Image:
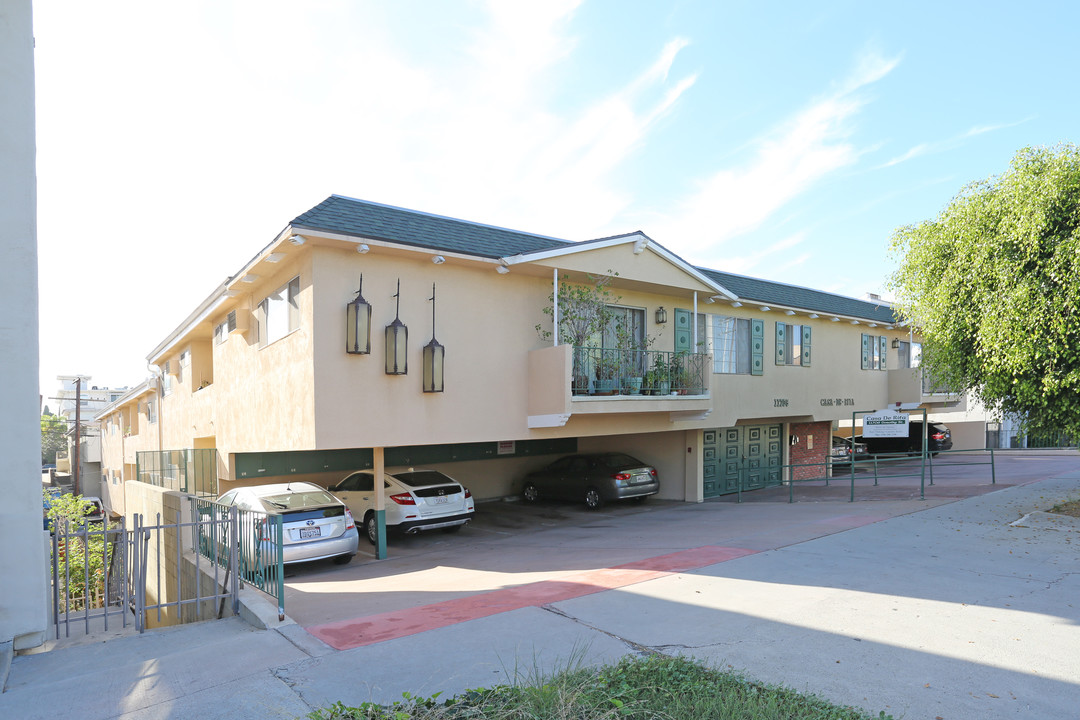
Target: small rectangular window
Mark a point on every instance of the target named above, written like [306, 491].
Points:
[280, 312]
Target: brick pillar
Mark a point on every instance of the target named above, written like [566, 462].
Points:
[812, 443]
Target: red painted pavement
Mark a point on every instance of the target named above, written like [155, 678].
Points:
[346, 634]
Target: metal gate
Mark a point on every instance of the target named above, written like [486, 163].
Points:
[744, 457]
[108, 572]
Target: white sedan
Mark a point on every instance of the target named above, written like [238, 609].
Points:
[416, 500]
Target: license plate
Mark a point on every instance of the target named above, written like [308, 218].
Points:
[639, 479]
[442, 500]
[312, 532]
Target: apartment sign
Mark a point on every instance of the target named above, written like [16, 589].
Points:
[885, 424]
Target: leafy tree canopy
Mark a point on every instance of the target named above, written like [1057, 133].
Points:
[53, 436]
[993, 285]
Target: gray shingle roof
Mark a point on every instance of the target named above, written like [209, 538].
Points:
[766, 292]
[408, 227]
[371, 220]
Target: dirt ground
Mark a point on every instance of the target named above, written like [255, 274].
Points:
[1069, 508]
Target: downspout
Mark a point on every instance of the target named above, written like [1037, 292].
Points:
[555, 295]
[695, 322]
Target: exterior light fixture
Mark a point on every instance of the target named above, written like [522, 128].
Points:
[661, 315]
[434, 354]
[736, 304]
[397, 341]
[358, 324]
[362, 248]
[896, 343]
[438, 259]
[789, 312]
[297, 239]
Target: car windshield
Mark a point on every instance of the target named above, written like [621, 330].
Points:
[618, 460]
[292, 501]
[420, 478]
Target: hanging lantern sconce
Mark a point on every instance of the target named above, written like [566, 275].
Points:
[661, 315]
[434, 353]
[358, 324]
[397, 341]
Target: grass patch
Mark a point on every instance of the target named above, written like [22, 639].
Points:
[639, 688]
[1071, 507]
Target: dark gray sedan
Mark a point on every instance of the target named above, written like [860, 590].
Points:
[593, 479]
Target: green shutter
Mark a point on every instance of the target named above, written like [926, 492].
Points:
[884, 343]
[684, 331]
[806, 345]
[865, 352]
[757, 347]
[781, 342]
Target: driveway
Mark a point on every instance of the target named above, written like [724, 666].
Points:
[515, 544]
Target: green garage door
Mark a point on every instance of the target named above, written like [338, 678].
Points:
[749, 456]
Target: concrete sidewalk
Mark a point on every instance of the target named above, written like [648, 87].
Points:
[952, 611]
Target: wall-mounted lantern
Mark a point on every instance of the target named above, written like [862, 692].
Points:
[397, 341]
[661, 315]
[358, 324]
[434, 353]
[895, 343]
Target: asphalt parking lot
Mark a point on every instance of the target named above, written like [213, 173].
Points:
[515, 544]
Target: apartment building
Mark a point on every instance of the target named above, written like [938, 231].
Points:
[367, 335]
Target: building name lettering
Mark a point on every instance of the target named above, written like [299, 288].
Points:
[833, 402]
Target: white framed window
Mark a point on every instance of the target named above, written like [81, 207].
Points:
[909, 354]
[731, 345]
[793, 344]
[874, 349]
[151, 412]
[279, 313]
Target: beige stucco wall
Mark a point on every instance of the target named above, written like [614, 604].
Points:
[23, 590]
[304, 392]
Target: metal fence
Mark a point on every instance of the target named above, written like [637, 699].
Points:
[89, 575]
[613, 371]
[876, 463]
[259, 539]
[109, 572]
[192, 471]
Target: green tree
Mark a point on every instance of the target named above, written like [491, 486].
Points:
[53, 436]
[993, 285]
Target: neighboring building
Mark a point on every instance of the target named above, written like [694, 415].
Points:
[23, 590]
[257, 384]
[77, 392]
[90, 398]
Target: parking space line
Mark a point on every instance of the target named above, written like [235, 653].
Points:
[358, 632]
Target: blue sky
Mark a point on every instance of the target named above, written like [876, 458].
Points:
[782, 140]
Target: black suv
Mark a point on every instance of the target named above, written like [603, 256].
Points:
[938, 438]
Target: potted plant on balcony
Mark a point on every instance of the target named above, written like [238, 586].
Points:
[662, 375]
[583, 314]
[607, 373]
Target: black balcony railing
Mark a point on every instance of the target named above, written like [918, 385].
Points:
[612, 371]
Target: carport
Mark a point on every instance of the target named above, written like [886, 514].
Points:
[324, 467]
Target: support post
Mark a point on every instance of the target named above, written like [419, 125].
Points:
[378, 470]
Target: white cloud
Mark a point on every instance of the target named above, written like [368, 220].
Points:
[787, 162]
[949, 143]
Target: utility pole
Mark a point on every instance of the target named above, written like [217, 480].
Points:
[76, 484]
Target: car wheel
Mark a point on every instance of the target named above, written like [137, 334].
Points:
[370, 530]
[343, 559]
[530, 492]
[452, 529]
[593, 501]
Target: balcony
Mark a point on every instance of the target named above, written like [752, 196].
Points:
[913, 385]
[566, 380]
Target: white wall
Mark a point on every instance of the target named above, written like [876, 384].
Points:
[23, 597]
